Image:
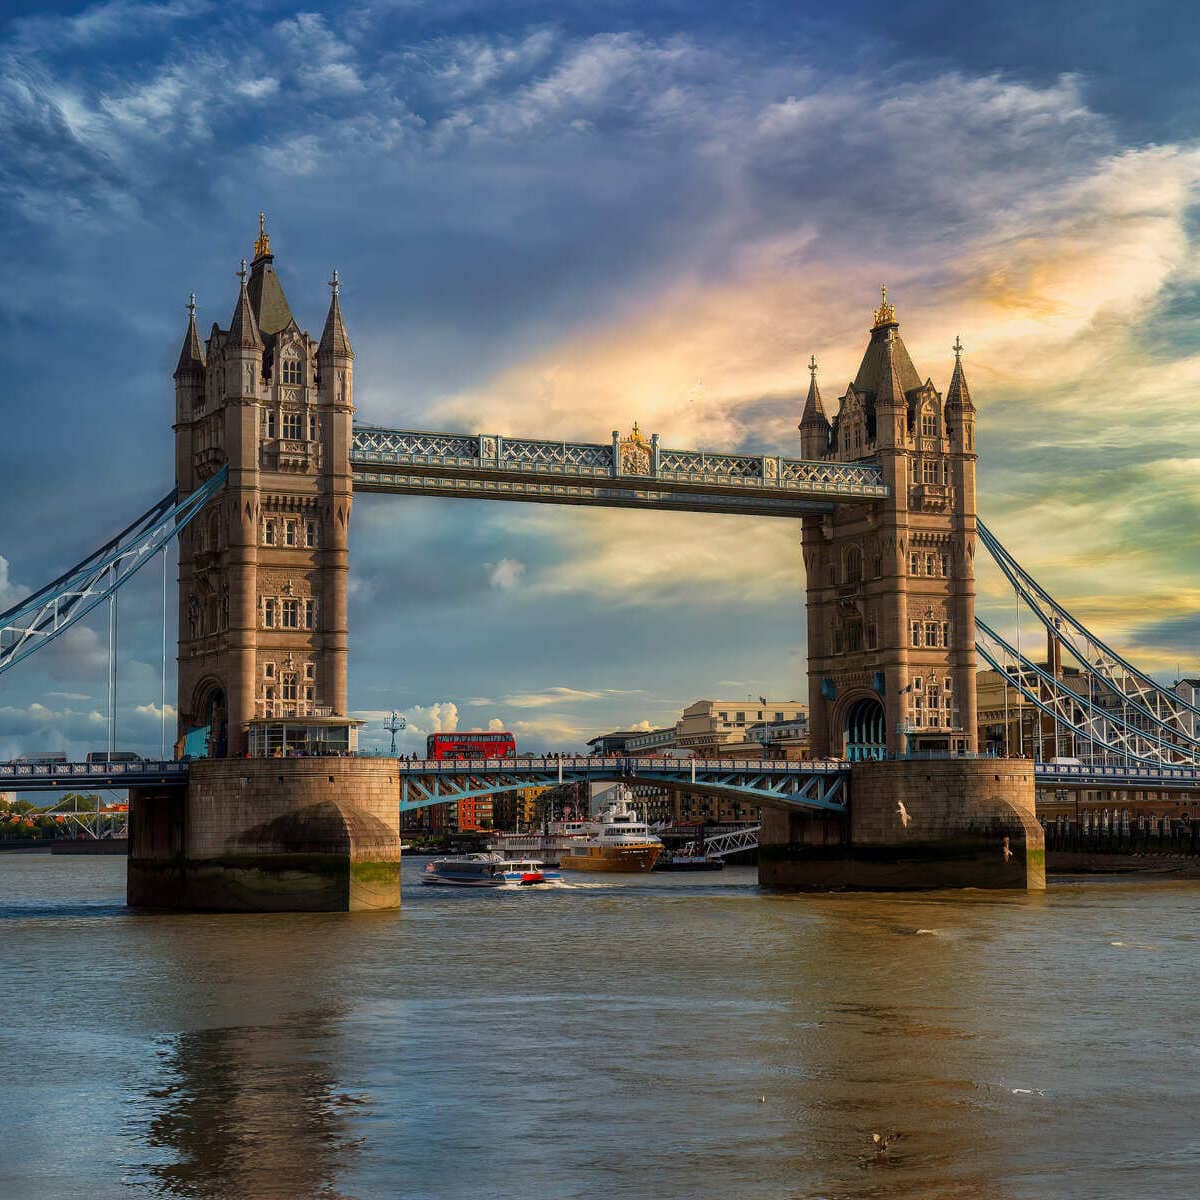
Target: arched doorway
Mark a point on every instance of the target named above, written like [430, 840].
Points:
[866, 734]
[208, 737]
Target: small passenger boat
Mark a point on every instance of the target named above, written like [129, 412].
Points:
[488, 870]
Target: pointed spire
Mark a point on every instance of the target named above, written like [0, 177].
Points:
[191, 356]
[814, 410]
[243, 328]
[333, 338]
[263, 245]
[958, 395]
[891, 390]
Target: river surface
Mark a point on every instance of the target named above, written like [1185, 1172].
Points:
[660, 1036]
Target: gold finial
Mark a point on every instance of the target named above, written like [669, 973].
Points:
[636, 435]
[885, 314]
[263, 244]
[957, 348]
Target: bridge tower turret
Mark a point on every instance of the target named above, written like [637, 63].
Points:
[891, 617]
[262, 628]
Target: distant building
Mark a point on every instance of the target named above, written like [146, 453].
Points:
[7, 799]
[712, 729]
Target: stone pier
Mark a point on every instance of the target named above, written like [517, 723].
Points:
[269, 835]
[914, 825]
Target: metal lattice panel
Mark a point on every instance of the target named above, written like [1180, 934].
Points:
[695, 462]
[556, 455]
[405, 445]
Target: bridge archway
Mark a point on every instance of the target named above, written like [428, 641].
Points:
[865, 730]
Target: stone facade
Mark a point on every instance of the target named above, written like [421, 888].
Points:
[263, 572]
[914, 824]
[269, 835]
[891, 590]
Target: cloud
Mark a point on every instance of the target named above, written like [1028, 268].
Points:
[506, 574]
[10, 593]
[116, 19]
[549, 696]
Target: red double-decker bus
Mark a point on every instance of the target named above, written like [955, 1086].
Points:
[474, 813]
[470, 745]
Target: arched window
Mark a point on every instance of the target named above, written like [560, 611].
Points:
[853, 565]
[929, 421]
[293, 371]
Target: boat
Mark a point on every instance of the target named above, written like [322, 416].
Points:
[617, 839]
[689, 862]
[487, 870]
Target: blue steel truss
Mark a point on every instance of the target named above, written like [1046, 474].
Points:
[773, 784]
[38, 620]
[627, 473]
[1098, 734]
[1133, 691]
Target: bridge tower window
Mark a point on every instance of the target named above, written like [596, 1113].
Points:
[293, 426]
[289, 533]
[914, 564]
[853, 565]
[268, 533]
[291, 615]
[310, 533]
[269, 613]
[293, 372]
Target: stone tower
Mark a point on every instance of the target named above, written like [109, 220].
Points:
[891, 590]
[263, 571]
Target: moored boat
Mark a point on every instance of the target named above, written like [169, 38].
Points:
[617, 840]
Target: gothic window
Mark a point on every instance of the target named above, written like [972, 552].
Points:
[269, 613]
[269, 670]
[949, 684]
[854, 637]
[853, 565]
[289, 687]
[916, 633]
[289, 533]
[310, 533]
[929, 565]
[839, 641]
[846, 440]
[269, 423]
[945, 633]
[293, 426]
[308, 694]
[929, 471]
[928, 422]
[914, 564]
[945, 564]
[268, 533]
[293, 373]
[291, 615]
[312, 427]
[310, 671]
[931, 633]
[872, 636]
[310, 614]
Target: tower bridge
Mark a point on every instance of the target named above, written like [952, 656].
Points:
[268, 457]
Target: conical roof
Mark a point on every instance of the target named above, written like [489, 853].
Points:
[191, 356]
[958, 395]
[889, 386]
[243, 327]
[814, 410]
[334, 340]
[886, 341]
[271, 309]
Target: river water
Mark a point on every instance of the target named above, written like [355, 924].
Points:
[662, 1036]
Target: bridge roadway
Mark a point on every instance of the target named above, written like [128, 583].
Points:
[809, 785]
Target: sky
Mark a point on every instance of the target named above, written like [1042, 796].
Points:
[557, 219]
